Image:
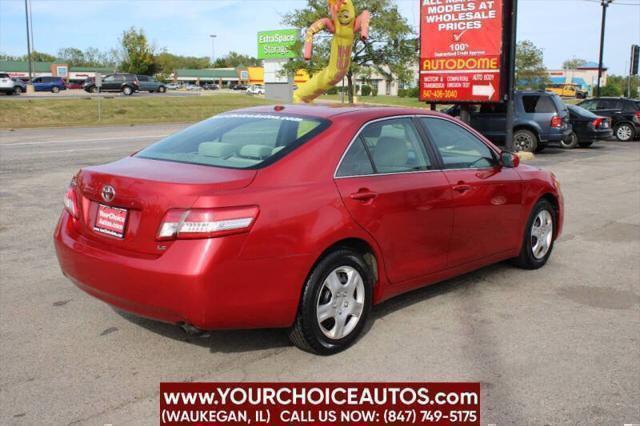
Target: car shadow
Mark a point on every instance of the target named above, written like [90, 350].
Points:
[239, 341]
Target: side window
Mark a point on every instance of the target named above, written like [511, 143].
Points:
[356, 161]
[395, 146]
[589, 105]
[609, 104]
[458, 148]
[538, 104]
[109, 78]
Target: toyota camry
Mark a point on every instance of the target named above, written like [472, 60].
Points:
[301, 217]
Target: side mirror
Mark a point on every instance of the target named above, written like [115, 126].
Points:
[509, 160]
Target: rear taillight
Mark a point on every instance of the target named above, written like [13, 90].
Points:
[71, 201]
[206, 223]
[556, 122]
[637, 115]
[597, 122]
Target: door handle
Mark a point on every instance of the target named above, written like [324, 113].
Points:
[363, 195]
[461, 188]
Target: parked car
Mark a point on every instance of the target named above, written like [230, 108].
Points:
[239, 87]
[210, 86]
[540, 118]
[255, 89]
[173, 86]
[119, 82]
[150, 84]
[587, 128]
[205, 229]
[71, 84]
[624, 114]
[567, 91]
[192, 87]
[48, 84]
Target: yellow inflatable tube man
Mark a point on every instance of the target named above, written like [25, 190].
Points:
[343, 25]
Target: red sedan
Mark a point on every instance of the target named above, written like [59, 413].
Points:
[301, 217]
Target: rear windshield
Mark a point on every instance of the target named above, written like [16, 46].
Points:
[239, 141]
[575, 109]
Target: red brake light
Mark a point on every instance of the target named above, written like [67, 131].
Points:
[597, 122]
[637, 115]
[206, 223]
[71, 201]
[556, 121]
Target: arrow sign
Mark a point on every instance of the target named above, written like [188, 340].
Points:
[484, 90]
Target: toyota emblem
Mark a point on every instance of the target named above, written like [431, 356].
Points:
[108, 193]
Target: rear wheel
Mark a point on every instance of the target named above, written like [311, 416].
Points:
[571, 141]
[525, 140]
[17, 90]
[162, 89]
[55, 89]
[539, 237]
[624, 132]
[335, 304]
[94, 89]
[126, 90]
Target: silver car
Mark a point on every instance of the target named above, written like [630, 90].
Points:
[11, 86]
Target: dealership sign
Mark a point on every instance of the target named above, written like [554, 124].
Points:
[463, 44]
[278, 44]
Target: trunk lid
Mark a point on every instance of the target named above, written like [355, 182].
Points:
[147, 189]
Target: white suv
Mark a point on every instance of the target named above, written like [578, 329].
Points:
[8, 86]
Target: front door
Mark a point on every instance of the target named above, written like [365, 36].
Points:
[391, 188]
[487, 198]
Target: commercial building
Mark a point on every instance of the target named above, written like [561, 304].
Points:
[585, 76]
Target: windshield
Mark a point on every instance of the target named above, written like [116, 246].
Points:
[239, 141]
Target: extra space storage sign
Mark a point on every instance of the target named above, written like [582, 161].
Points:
[461, 45]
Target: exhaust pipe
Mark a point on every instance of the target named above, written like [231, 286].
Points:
[193, 331]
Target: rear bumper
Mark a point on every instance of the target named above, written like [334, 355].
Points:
[558, 135]
[199, 282]
[595, 135]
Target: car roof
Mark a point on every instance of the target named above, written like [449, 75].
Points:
[329, 111]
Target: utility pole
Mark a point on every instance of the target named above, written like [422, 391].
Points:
[511, 84]
[26, 14]
[213, 48]
[605, 4]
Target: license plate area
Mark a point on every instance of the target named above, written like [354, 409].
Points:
[111, 221]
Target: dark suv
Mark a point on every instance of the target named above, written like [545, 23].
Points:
[540, 118]
[624, 113]
[119, 82]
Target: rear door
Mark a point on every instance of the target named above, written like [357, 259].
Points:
[609, 107]
[391, 187]
[486, 197]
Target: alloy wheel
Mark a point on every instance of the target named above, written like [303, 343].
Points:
[541, 234]
[624, 132]
[523, 142]
[340, 302]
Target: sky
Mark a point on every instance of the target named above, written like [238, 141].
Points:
[562, 28]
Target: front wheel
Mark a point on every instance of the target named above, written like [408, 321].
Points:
[127, 90]
[624, 132]
[162, 89]
[525, 140]
[571, 141]
[335, 304]
[55, 89]
[539, 237]
[17, 90]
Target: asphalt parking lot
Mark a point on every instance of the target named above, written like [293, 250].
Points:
[560, 345]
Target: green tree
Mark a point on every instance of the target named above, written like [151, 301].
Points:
[39, 57]
[137, 55]
[530, 70]
[72, 56]
[618, 85]
[234, 59]
[573, 63]
[390, 49]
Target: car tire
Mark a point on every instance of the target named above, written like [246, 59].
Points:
[335, 304]
[624, 132]
[55, 89]
[571, 141]
[17, 90]
[539, 236]
[127, 91]
[162, 89]
[94, 89]
[585, 144]
[525, 140]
